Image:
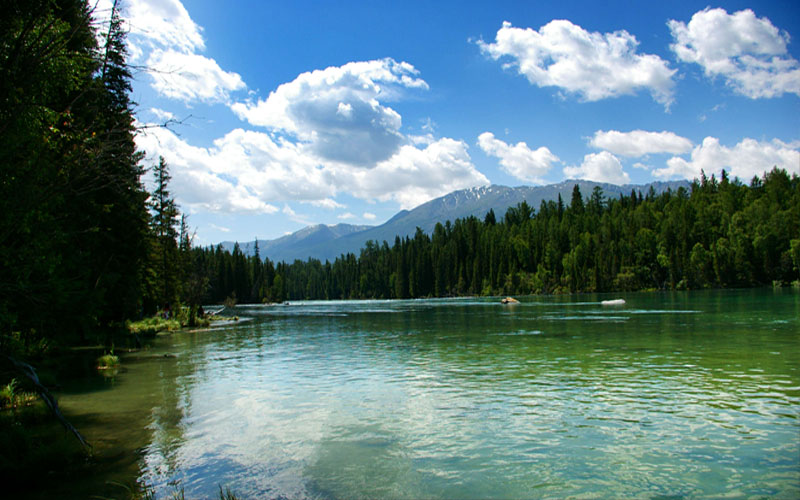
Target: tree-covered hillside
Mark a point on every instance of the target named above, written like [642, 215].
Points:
[718, 233]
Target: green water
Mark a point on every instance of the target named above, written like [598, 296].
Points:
[690, 395]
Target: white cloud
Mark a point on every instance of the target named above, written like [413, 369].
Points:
[329, 131]
[413, 176]
[749, 52]
[337, 111]
[746, 159]
[191, 77]
[198, 180]
[163, 22]
[163, 33]
[327, 203]
[294, 216]
[599, 167]
[220, 228]
[592, 65]
[345, 110]
[640, 143]
[162, 114]
[429, 125]
[421, 140]
[248, 171]
[519, 160]
[369, 216]
[346, 216]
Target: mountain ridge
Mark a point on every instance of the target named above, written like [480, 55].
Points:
[329, 242]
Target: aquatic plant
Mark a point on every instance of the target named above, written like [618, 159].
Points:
[107, 361]
[7, 393]
[136, 491]
[227, 494]
[11, 397]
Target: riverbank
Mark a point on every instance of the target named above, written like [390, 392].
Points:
[34, 445]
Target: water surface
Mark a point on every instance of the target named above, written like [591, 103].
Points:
[692, 394]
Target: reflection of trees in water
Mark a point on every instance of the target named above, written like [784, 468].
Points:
[171, 405]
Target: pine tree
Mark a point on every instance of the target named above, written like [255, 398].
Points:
[164, 290]
[70, 183]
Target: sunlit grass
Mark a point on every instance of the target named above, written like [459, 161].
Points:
[107, 361]
[12, 397]
[157, 324]
[152, 326]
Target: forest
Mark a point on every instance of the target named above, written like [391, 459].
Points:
[717, 233]
[83, 245]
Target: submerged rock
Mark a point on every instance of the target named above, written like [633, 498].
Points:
[509, 300]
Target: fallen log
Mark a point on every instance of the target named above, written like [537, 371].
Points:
[48, 398]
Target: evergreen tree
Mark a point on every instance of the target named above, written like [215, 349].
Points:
[164, 287]
[72, 214]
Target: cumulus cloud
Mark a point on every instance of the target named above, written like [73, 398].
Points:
[337, 110]
[346, 216]
[369, 216]
[745, 160]
[413, 176]
[163, 33]
[328, 131]
[599, 167]
[191, 77]
[201, 180]
[163, 22]
[249, 171]
[638, 143]
[592, 65]
[748, 52]
[519, 160]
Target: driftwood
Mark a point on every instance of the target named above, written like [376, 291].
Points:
[48, 398]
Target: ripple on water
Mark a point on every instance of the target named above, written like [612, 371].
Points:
[460, 399]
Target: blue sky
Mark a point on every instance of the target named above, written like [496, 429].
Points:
[295, 113]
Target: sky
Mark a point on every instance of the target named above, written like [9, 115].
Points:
[277, 115]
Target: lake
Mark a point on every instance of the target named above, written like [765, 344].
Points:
[685, 394]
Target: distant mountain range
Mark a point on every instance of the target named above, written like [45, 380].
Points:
[329, 242]
[298, 245]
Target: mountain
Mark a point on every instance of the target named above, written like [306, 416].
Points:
[299, 243]
[329, 242]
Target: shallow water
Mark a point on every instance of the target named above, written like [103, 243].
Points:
[692, 394]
